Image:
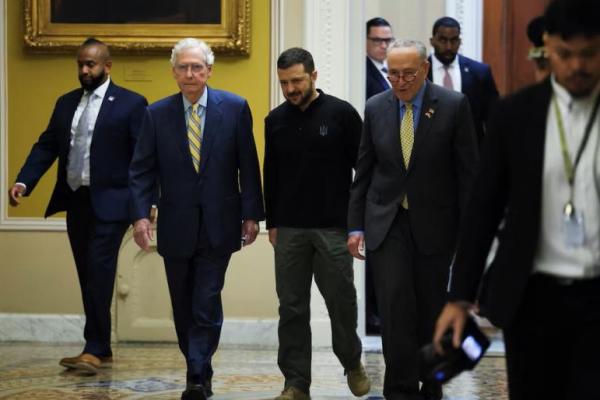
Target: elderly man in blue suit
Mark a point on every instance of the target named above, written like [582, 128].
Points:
[93, 131]
[198, 146]
[461, 74]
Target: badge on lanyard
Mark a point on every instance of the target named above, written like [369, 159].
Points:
[572, 228]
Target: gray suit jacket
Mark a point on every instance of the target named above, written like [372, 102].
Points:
[438, 180]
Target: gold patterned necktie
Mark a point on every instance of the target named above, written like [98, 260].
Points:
[194, 137]
[407, 139]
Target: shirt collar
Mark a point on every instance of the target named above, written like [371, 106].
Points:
[437, 64]
[378, 64]
[567, 101]
[100, 91]
[417, 101]
[202, 101]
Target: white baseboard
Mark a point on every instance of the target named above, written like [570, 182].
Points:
[69, 328]
[41, 327]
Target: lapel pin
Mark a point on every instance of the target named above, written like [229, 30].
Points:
[111, 98]
[429, 113]
[466, 69]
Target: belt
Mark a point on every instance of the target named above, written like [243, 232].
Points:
[565, 281]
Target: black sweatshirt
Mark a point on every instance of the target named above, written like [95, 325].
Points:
[309, 156]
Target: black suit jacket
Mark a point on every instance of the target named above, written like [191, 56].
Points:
[376, 83]
[437, 182]
[480, 88]
[508, 186]
[227, 188]
[113, 142]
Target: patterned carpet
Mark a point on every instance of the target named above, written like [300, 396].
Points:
[157, 371]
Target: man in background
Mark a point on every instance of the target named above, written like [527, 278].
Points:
[93, 132]
[198, 146]
[379, 37]
[311, 142]
[461, 74]
[541, 174]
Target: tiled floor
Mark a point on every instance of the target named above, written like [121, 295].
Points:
[157, 371]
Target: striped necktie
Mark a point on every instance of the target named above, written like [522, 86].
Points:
[407, 139]
[194, 138]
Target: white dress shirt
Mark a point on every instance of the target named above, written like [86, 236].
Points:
[97, 96]
[553, 256]
[437, 72]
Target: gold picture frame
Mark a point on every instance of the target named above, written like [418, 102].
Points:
[230, 35]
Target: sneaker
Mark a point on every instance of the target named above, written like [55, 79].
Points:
[358, 381]
[292, 393]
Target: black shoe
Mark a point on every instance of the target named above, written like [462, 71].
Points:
[431, 391]
[194, 391]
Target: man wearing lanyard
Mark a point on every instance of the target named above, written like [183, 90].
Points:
[540, 172]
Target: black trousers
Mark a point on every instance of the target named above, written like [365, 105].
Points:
[553, 346]
[95, 245]
[195, 286]
[411, 291]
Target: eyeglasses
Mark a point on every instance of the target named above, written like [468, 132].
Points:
[408, 75]
[379, 41]
[183, 68]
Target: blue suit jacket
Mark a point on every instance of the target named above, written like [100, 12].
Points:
[113, 142]
[480, 88]
[375, 82]
[227, 188]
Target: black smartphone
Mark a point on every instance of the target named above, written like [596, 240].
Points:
[441, 368]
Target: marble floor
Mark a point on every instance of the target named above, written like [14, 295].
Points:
[157, 371]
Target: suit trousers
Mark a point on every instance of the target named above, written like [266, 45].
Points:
[195, 286]
[411, 291]
[95, 245]
[552, 347]
[301, 254]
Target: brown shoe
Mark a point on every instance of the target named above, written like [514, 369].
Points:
[358, 381]
[292, 393]
[86, 362]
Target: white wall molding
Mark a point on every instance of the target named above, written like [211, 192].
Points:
[6, 222]
[469, 13]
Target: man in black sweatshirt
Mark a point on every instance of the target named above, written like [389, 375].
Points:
[311, 143]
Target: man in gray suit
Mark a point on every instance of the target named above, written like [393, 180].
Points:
[416, 164]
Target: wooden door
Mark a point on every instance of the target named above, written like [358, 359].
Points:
[505, 42]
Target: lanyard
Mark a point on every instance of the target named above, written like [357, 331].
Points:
[570, 167]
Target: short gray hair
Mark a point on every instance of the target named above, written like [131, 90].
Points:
[408, 43]
[191, 43]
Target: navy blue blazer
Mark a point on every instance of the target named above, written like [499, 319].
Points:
[113, 142]
[375, 82]
[226, 190]
[480, 88]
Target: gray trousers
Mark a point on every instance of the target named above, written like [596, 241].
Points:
[301, 254]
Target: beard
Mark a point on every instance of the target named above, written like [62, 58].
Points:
[304, 97]
[91, 82]
[445, 58]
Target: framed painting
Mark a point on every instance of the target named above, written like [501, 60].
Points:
[137, 26]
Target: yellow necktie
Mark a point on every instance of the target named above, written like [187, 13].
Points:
[407, 139]
[194, 138]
